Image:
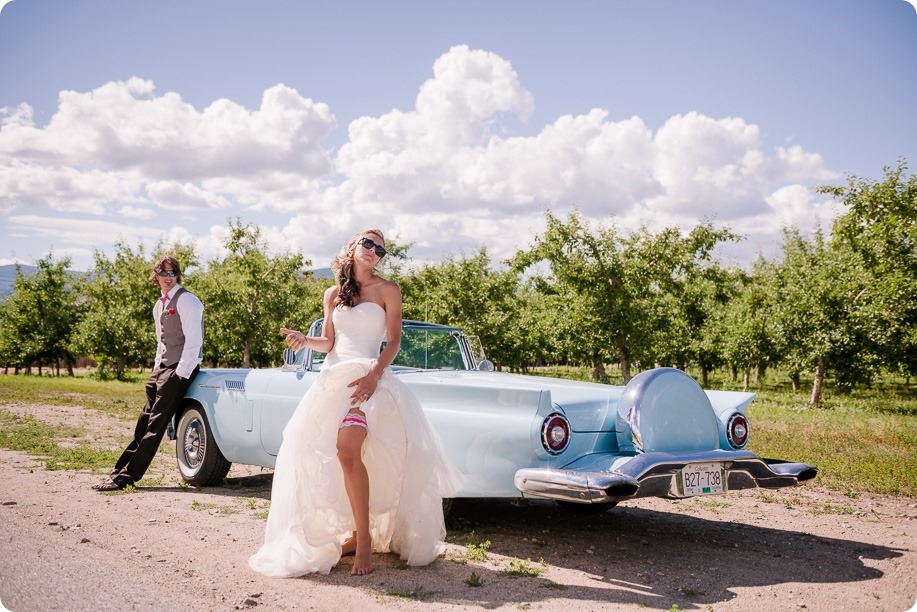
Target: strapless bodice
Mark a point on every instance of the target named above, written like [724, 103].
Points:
[358, 332]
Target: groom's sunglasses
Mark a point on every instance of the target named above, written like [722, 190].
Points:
[380, 251]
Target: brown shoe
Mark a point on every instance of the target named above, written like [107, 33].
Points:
[106, 485]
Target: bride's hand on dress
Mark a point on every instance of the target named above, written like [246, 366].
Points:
[294, 339]
[365, 387]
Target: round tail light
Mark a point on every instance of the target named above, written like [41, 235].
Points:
[737, 430]
[555, 433]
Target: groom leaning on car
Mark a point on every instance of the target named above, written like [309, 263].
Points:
[179, 319]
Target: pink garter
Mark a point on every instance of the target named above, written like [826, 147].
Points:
[353, 419]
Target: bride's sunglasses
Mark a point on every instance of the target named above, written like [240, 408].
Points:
[380, 251]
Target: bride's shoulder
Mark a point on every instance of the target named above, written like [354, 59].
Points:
[331, 294]
[389, 288]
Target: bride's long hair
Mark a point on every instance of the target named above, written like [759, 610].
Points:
[342, 267]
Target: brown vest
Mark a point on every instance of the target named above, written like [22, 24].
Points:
[173, 338]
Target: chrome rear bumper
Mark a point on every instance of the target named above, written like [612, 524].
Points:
[654, 475]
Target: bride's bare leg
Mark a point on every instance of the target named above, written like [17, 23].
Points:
[356, 482]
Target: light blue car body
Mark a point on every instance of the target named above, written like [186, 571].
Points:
[511, 435]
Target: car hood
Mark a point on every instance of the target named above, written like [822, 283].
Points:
[589, 406]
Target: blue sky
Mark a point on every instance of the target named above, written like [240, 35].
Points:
[452, 125]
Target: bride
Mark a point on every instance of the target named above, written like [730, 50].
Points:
[360, 470]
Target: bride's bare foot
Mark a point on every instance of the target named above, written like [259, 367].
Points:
[363, 559]
[349, 547]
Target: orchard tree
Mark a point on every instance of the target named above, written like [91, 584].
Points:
[249, 295]
[596, 297]
[472, 294]
[682, 286]
[747, 325]
[818, 291]
[39, 318]
[879, 231]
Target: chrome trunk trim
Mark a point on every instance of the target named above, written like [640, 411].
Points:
[653, 475]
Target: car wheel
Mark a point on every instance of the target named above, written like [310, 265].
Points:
[199, 459]
[576, 508]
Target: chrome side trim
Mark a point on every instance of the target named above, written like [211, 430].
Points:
[653, 475]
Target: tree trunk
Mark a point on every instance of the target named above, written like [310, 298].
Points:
[704, 371]
[815, 400]
[794, 380]
[623, 359]
[733, 372]
[598, 371]
[625, 368]
[246, 355]
[745, 376]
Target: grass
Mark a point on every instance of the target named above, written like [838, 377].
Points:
[865, 441]
[418, 593]
[113, 397]
[862, 442]
[52, 443]
[521, 568]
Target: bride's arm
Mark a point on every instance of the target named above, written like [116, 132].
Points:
[324, 343]
[391, 295]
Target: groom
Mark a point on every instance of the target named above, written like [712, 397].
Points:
[179, 319]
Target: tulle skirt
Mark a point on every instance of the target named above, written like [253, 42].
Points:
[409, 475]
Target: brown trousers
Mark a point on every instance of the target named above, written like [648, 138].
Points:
[164, 393]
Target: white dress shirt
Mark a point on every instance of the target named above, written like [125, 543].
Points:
[191, 311]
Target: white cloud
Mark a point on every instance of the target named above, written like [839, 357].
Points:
[120, 144]
[444, 175]
[134, 212]
[441, 176]
[82, 232]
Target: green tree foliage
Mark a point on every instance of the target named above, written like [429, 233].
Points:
[817, 292]
[468, 292]
[681, 287]
[588, 274]
[117, 327]
[249, 295]
[747, 326]
[879, 233]
[38, 320]
[643, 297]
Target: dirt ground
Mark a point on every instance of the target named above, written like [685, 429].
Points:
[170, 547]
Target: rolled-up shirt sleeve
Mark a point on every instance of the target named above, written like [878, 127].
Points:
[191, 311]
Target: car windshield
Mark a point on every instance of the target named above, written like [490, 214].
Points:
[422, 347]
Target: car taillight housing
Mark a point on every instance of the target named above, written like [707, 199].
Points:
[555, 433]
[737, 430]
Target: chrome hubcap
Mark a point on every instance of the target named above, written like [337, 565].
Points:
[194, 443]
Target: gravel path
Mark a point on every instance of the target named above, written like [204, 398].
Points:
[168, 547]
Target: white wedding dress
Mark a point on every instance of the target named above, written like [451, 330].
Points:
[409, 472]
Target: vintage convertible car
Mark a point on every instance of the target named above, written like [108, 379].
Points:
[511, 435]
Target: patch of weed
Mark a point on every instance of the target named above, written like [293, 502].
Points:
[521, 568]
[418, 593]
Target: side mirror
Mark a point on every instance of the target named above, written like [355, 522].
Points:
[289, 356]
[486, 365]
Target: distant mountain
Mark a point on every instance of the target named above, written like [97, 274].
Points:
[320, 272]
[8, 275]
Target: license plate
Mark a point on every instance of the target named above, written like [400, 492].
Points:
[700, 479]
